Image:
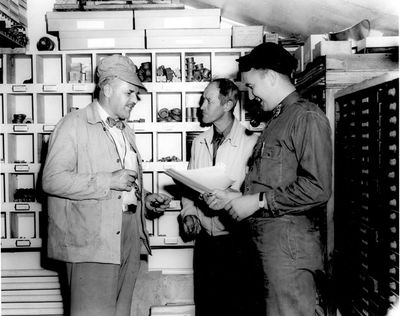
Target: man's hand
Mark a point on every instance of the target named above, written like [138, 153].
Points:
[242, 207]
[123, 179]
[157, 203]
[191, 226]
[218, 199]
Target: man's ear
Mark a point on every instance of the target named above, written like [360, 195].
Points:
[107, 90]
[228, 106]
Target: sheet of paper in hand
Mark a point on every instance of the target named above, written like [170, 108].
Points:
[203, 180]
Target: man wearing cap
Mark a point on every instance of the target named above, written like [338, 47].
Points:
[96, 203]
[288, 183]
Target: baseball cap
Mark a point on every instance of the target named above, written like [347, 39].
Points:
[268, 56]
[120, 67]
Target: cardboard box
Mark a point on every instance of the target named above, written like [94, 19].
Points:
[177, 19]
[309, 46]
[101, 39]
[191, 38]
[377, 44]
[89, 20]
[324, 48]
[247, 36]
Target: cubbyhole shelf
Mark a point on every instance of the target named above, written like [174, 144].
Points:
[142, 112]
[3, 225]
[169, 146]
[2, 152]
[49, 69]
[19, 69]
[79, 68]
[168, 67]
[169, 107]
[23, 225]
[20, 109]
[1, 109]
[225, 65]
[192, 106]
[49, 108]
[143, 63]
[20, 148]
[197, 67]
[76, 101]
[3, 192]
[144, 142]
[22, 187]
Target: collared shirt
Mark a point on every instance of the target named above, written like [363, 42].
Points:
[218, 138]
[292, 160]
[127, 156]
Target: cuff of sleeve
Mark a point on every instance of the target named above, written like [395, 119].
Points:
[271, 205]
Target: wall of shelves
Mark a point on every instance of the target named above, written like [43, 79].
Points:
[40, 88]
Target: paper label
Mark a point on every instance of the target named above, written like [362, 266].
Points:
[90, 25]
[101, 42]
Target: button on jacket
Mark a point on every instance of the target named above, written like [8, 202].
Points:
[292, 159]
[84, 215]
[234, 153]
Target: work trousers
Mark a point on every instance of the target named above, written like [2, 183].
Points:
[289, 250]
[100, 289]
[223, 278]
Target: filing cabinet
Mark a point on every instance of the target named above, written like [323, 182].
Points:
[369, 219]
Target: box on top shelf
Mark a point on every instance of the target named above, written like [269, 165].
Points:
[324, 48]
[177, 19]
[190, 38]
[377, 44]
[89, 20]
[247, 36]
[101, 39]
[309, 46]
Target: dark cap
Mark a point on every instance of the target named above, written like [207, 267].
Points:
[268, 56]
[120, 67]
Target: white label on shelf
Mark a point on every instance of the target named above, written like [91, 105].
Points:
[171, 240]
[19, 88]
[22, 207]
[79, 87]
[48, 128]
[49, 88]
[23, 243]
[90, 25]
[101, 42]
[21, 168]
[20, 128]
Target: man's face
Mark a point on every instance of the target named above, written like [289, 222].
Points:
[123, 98]
[211, 107]
[258, 83]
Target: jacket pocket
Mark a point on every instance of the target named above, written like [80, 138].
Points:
[84, 223]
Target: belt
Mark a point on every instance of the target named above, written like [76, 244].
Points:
[131, 208]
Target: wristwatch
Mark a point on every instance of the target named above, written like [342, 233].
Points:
[261, 200]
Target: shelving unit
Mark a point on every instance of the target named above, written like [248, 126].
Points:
[367, 178]
[40, 88]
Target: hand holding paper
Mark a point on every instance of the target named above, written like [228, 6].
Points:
[203, 180]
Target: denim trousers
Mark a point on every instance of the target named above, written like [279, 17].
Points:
[289, 250]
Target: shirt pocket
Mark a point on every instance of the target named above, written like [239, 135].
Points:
[271, 166]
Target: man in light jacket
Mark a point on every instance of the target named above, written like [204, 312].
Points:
[96, 203]
[217, 250]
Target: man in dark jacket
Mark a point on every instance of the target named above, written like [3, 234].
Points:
[288, 183]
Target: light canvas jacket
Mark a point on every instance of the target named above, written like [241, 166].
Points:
[234, 153]
[84, 214]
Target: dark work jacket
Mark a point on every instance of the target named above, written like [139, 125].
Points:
[292, 160]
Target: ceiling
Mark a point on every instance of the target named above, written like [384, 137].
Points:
[300, 18]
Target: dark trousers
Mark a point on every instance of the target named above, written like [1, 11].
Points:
[223, 283]
[289, 251]
[100, 289]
